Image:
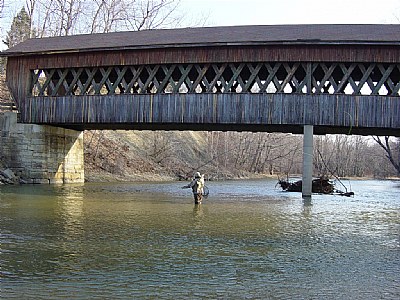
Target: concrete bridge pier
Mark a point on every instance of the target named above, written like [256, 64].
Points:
[307, 161]
[41, 153]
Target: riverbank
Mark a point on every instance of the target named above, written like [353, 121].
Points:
[154, 156]
[8, 177]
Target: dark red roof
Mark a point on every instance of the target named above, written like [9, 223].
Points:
[214, 36]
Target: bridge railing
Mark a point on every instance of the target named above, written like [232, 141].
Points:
[274, 77]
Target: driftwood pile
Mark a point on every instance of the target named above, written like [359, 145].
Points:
[321, 185]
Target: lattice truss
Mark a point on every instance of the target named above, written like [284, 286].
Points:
[303, 78]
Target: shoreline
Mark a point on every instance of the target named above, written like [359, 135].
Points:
[8, 177]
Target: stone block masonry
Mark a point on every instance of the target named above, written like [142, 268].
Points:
[41, 153]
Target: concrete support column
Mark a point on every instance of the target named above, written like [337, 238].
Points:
[307, 160]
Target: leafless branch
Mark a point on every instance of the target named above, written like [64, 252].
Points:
[390, 154]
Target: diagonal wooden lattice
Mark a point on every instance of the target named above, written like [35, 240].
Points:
[276, 77]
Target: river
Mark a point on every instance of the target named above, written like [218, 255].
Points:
[248, 240]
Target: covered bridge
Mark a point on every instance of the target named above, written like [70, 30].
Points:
[338, 78]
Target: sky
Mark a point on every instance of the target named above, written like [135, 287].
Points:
[270, 12]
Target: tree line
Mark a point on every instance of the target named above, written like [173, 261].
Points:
[267, 153]
[223, 155]
[281, 154]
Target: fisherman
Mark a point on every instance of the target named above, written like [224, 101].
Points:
[197, 185]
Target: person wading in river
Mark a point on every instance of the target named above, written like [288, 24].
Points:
[197, 185]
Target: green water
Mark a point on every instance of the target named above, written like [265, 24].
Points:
[248, 240]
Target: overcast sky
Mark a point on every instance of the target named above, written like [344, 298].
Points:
[266, 12]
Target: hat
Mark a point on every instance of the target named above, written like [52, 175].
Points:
[197, 175]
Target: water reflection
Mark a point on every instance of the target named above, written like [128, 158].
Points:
[198, 213]
[70, 219]
[70, 210]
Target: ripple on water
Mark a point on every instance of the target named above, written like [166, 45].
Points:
[248, 240]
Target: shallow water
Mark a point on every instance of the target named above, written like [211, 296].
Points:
[248, 240]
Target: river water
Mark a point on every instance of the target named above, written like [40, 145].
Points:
[248, 240]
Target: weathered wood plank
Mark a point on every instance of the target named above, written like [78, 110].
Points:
[346, 113]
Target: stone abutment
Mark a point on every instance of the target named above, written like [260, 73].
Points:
[41, 153]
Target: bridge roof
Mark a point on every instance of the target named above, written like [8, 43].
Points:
[369, 34]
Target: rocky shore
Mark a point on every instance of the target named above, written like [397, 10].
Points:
[7, 176]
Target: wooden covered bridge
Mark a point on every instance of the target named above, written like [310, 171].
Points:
[334, 78]
[339, 78]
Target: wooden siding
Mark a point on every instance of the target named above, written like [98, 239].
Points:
[289, 53]
[18, 80]
[287, 113]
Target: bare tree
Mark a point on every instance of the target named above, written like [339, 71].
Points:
[154, 14]
[61, 17]
[262, 152]
[106, 15]
[392, 150]
[340, 155]
[66, 17]
[162, 146]
[1, 7]
[30, 9]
